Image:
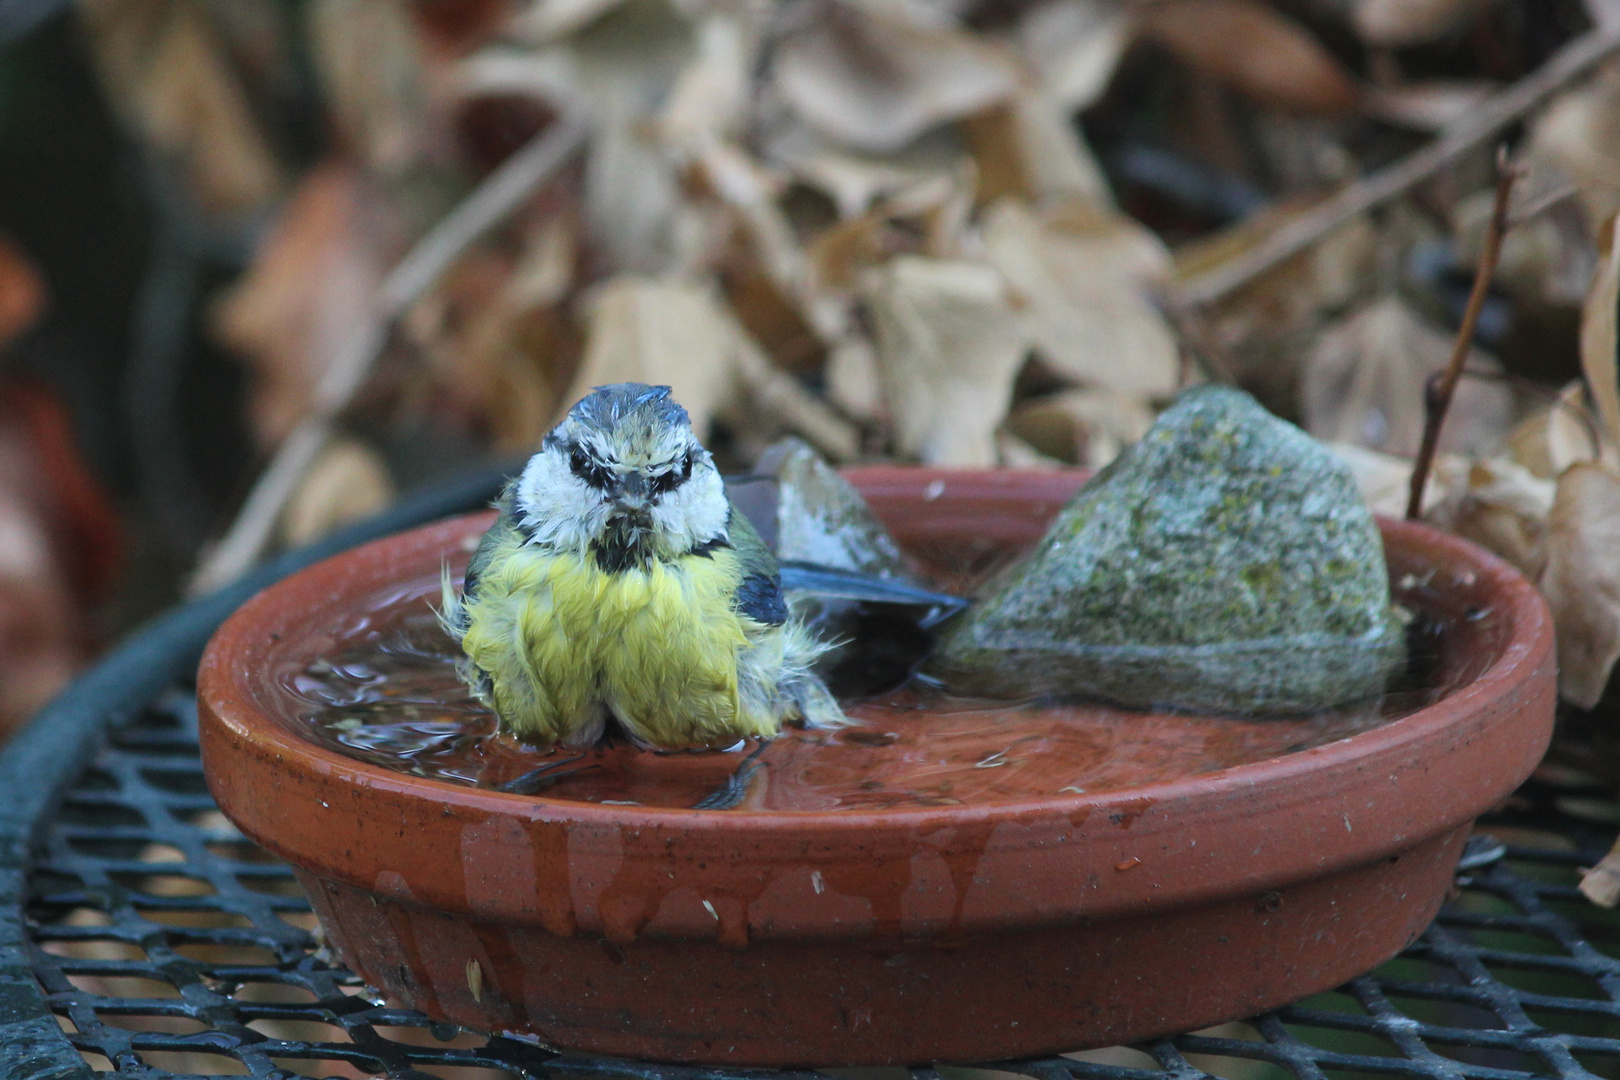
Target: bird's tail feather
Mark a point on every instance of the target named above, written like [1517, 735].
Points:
[452, 615]
[452, 612]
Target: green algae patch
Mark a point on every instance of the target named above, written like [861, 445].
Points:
[1225, 563]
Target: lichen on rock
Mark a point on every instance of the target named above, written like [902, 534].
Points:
[1225, 563]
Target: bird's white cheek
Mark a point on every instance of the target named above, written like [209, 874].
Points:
[694, 513]
[558, 510]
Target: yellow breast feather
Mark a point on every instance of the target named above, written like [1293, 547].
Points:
[561, 641]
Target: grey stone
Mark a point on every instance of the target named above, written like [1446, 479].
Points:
[807, 513]
[1225, 563]
[820, 518]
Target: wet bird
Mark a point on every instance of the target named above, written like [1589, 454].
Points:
[619, 585]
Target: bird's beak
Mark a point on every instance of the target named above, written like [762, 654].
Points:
[631, 493]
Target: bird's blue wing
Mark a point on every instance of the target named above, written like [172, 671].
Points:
[759, 593]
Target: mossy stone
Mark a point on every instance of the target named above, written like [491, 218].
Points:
[1225, 563]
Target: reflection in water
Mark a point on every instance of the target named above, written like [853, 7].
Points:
[383, 689]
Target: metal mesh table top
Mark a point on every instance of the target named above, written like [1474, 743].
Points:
[142, 935]
[168, 944]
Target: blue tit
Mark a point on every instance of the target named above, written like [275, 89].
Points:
[619, 583]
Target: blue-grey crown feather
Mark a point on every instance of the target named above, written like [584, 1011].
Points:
[606, 405]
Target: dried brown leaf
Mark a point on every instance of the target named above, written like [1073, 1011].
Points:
[1494, 502]
[1082, 279]
[927, 217]
[876, 83]
[677, 334]
[1363, 382]
[1552, 439]
[710, 99]
[347, 482]
[1398, 23]
[166, 72]
[854, 383]
[775, 395]
[1498, 504]
[663, 333]
[752, 193]
[1254, 49]
[853, 183]
[1081, 427]
[996, 144]
[842, 253]
[770, 317]
[548, 20]
[1261, 334]
[620, 69]
[1600, 339]
[1384, 480]
[1073, 47]
[1028, 147]
[949, 346]
[1014, 453]
[1601, 884]
[1579, 132]
[371, 67]
[545, 274]
[312, 281]
[1546, 258]
[632, 197]
[1582, 580]
[1329, 275]
[522, 402]
[497, 338]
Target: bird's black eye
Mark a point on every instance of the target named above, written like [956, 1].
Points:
[665, 482]
[592, 472]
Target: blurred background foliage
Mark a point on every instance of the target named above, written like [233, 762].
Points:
[265, 265]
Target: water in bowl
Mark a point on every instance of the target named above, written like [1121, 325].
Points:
[384, 690]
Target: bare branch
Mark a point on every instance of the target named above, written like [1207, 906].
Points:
[489, 204]
[1438, 394]
[1571, 62]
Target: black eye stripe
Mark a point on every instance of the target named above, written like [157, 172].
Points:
[592, 472]
[585, 466]
[666, 482]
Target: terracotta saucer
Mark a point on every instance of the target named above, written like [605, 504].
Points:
[1004, 927]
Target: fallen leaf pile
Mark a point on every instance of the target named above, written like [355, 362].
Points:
[942, 231]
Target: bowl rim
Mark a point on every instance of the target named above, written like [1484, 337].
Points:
[1517, 682]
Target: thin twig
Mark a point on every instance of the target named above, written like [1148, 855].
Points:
[1437, 394]
[490, 203]
[1458, 138]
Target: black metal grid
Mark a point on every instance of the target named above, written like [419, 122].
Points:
[141, 935]
[167, 944]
